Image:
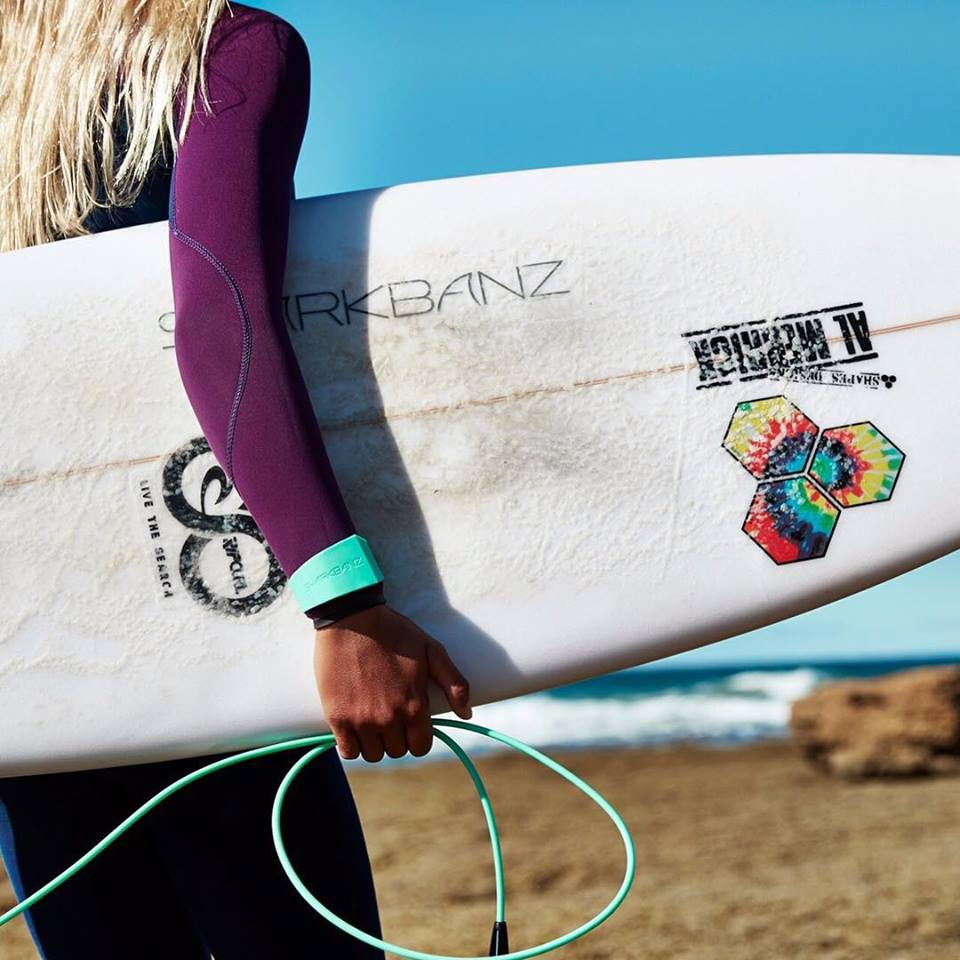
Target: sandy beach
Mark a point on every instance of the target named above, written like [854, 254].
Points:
[743, 854]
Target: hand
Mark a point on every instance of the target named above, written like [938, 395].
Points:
[372, 669]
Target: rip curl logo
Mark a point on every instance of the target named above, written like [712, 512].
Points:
[224, 563]
[807, 476]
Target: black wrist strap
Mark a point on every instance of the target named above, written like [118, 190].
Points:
[324, 614]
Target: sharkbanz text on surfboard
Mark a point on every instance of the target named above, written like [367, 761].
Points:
[795, 346]
[401, 299]
[415, 297]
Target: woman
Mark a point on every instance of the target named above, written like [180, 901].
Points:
[95, 97]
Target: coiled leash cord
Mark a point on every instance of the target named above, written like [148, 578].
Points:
[320, 744]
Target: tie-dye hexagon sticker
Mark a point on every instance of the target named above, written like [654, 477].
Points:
[806, 482]
[791, 519]
[770, 437]
[856, 464]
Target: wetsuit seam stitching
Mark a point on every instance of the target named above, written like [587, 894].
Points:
[247, 347]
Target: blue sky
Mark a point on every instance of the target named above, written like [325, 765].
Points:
[420, 89]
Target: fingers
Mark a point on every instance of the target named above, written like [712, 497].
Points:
[371, 743]
[374, 740]
[419, 728]
[394, 739]
[348, 746]
[453, 683]
[412, 730]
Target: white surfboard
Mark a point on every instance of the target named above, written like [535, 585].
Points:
[587, 417]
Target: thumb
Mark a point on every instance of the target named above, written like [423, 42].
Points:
[453, 683]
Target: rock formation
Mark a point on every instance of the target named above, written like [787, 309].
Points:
[903, 724]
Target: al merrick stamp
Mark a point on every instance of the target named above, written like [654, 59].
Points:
[797, 346]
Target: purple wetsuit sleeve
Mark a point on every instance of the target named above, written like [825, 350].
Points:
[229, 215]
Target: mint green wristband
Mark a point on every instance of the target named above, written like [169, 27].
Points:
[343, 567]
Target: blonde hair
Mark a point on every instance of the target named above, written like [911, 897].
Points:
[69, 69]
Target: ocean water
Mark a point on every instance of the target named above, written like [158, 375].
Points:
[656, 704]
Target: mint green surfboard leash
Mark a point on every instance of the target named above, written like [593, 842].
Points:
[320, 744]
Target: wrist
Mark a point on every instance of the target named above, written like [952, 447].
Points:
[337, 609]
[359, 622]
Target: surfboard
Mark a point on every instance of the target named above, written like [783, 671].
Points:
[587, 417]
